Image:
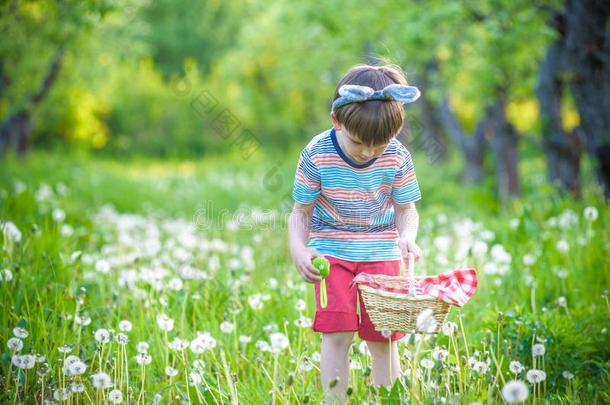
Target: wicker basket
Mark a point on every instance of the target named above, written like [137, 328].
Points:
[399, 312]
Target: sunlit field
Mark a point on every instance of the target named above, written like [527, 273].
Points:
[149, 282]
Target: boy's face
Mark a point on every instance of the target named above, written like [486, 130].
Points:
[355, 149]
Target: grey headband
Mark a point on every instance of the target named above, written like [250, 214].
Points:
[351, 93]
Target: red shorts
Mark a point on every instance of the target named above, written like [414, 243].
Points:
[340, 313]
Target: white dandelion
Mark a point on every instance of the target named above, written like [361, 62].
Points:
[165, 323]
[516, 367]
[425, 321]
[14, 344]
[567, 375]
[101, 380]
[590, 214]
[538, 350]
[427, 363]
[515, 391]
[125, 326]
[115, 396]
[20, 333]
[171, 372]
[142, 347]
[279, 342]
[143, 359]
[102, 336]
[535, 376]
[227, 327]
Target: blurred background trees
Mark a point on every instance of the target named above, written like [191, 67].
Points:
[499, 78]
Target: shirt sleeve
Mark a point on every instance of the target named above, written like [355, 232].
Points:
[307, 180]
[405, 188]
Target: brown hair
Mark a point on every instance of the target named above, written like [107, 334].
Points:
[373, 122]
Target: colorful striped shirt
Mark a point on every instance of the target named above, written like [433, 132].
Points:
[353, 215]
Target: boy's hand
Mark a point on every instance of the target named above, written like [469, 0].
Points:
[302, 258]
[409, 246]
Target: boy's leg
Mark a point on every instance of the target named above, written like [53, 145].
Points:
[334, 364]
[381, 359]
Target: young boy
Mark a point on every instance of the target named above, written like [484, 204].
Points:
[354, 193]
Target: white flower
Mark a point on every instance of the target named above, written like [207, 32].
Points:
[480, 367]
[84, 320]
[227, 327]
[165, 322]
[590, 214]
[15, 344]
[567, 375]
[479, 248]
[198, 364]
[535, 376]
[562, 302]
[562, 245]
[243, 339]
[178, 344]
[77, 387]
[11, 231]
[449, 328]
[62, 395]
[125, 326]
[529, 259]
[73, 366]
[355, 365]
[538, 350]
[302, 322]
[425, 321]
[171, 372]
[515, 391]
[143, 359]
[300, 305]
[315, 356]
[25, 361]
[305, 365]
[279, 342]
[101, 380]
[516, 367]
[255, 301]
[102, 266]
[263, 346]
[195, 377]
[102, 336]
[142, 347]
[58, 215]
[427, 363]
[20, 333]
[203, 342]
[439, 354]
[7, 276]
[115, 396]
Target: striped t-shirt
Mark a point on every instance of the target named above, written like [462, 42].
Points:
[353, 215]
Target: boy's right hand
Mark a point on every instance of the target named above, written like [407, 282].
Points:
[302, 258]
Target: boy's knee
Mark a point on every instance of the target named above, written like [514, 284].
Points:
[339, 340]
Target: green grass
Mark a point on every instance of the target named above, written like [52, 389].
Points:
[159, 218]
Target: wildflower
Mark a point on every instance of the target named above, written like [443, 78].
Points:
[125, 326]
[7, 276]
[480, 367]
[122, 338]
[515, 391]
[255, 301]
[263, 346]
[302, 322]
[279, 342]
[363, 348]
[102, 336]
[25, 361]
[590, 214]
[77, 387]
[449, 328]
[84, 321]
[243, 339]
[315, 356]
[58, 215]
[64, 349]
[142, 347]
[227, 327]
[178, 344]
[538, 350]
[535, 376]
[143, 359]
[62, 394]
[300, 305]
[20, 333]
[516, 367]
[73, 366]
[165, 323]
[11, 232]
[198, 364]
[102, 266]
[203, 342]
[195, 377]
[567, 375]
[427, 363]
[355, 365]
[529, 259]
[305, 365]
[439, 354]
[115, 396]
[562, 245]
[101, 380]
[562, 302]
[15, 344]
[171, 372]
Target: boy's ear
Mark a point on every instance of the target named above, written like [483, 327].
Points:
[336, 123]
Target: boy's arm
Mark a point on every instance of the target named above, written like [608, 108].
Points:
[298, 236]
[407, 223]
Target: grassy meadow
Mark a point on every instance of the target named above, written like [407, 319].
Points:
[149, 281]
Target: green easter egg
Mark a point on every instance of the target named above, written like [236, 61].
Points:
[322, 265]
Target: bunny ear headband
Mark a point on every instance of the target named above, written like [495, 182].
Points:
[351, 93]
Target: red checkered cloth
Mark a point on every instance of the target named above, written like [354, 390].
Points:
[454, 287]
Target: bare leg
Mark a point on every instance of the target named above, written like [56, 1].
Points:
[379, 351]
[334, 364]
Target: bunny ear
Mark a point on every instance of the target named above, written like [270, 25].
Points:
[355, 91]
[402, 93]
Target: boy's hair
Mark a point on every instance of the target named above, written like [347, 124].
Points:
[374, 122]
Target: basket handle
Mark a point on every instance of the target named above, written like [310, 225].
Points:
[410, 262]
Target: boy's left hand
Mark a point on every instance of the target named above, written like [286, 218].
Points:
[409, 246]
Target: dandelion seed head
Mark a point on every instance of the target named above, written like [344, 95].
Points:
[515, 391]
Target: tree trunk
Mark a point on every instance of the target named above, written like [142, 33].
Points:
[472, 147]
[504, 142]
[587, 57]
[562, 152]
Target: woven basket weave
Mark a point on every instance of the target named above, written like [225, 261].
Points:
[398, 312]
